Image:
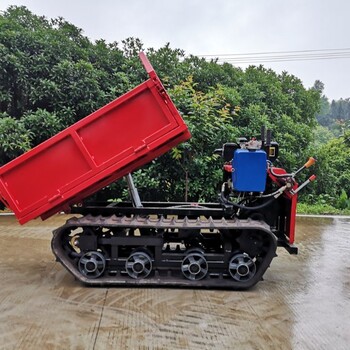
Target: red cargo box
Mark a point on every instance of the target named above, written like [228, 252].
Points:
[89, 155]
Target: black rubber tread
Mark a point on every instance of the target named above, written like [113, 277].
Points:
[156, 279]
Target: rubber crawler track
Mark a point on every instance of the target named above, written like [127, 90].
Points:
[65, 253]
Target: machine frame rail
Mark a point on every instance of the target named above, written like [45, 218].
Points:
[214, 210]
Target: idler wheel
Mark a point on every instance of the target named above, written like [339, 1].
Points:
[242, 267]
[194, 266]
[92, 264]
[138, 265]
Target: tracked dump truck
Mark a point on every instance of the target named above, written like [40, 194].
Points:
[228, 244]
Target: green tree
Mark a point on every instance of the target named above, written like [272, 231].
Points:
[191, 171]
[49, 65]
[15, 138]
[40, 125]
[333, 169]
[51, 75]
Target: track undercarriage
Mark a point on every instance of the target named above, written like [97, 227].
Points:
[180, 246]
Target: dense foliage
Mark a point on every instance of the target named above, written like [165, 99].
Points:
[51, 75]
[335, 115]
[331, 144]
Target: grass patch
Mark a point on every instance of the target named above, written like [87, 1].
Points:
[320, 209]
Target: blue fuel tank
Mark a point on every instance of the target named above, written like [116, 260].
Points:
[249, 170]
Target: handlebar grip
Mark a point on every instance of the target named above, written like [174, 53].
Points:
[310, 162]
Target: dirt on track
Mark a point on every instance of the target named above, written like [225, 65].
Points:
[303, 302]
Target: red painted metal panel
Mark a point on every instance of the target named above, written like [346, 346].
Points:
[291, 217]
[89, 155]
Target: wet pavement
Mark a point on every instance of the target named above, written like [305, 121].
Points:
[303, 302]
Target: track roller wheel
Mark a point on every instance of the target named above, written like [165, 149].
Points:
[194, 266]
[242, 267]
[92, 264]
[138, 265]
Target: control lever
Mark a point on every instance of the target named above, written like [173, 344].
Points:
[310, 179]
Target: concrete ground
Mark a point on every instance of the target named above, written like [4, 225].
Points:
[303, 303]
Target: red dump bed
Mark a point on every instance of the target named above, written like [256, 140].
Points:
[89, 155]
